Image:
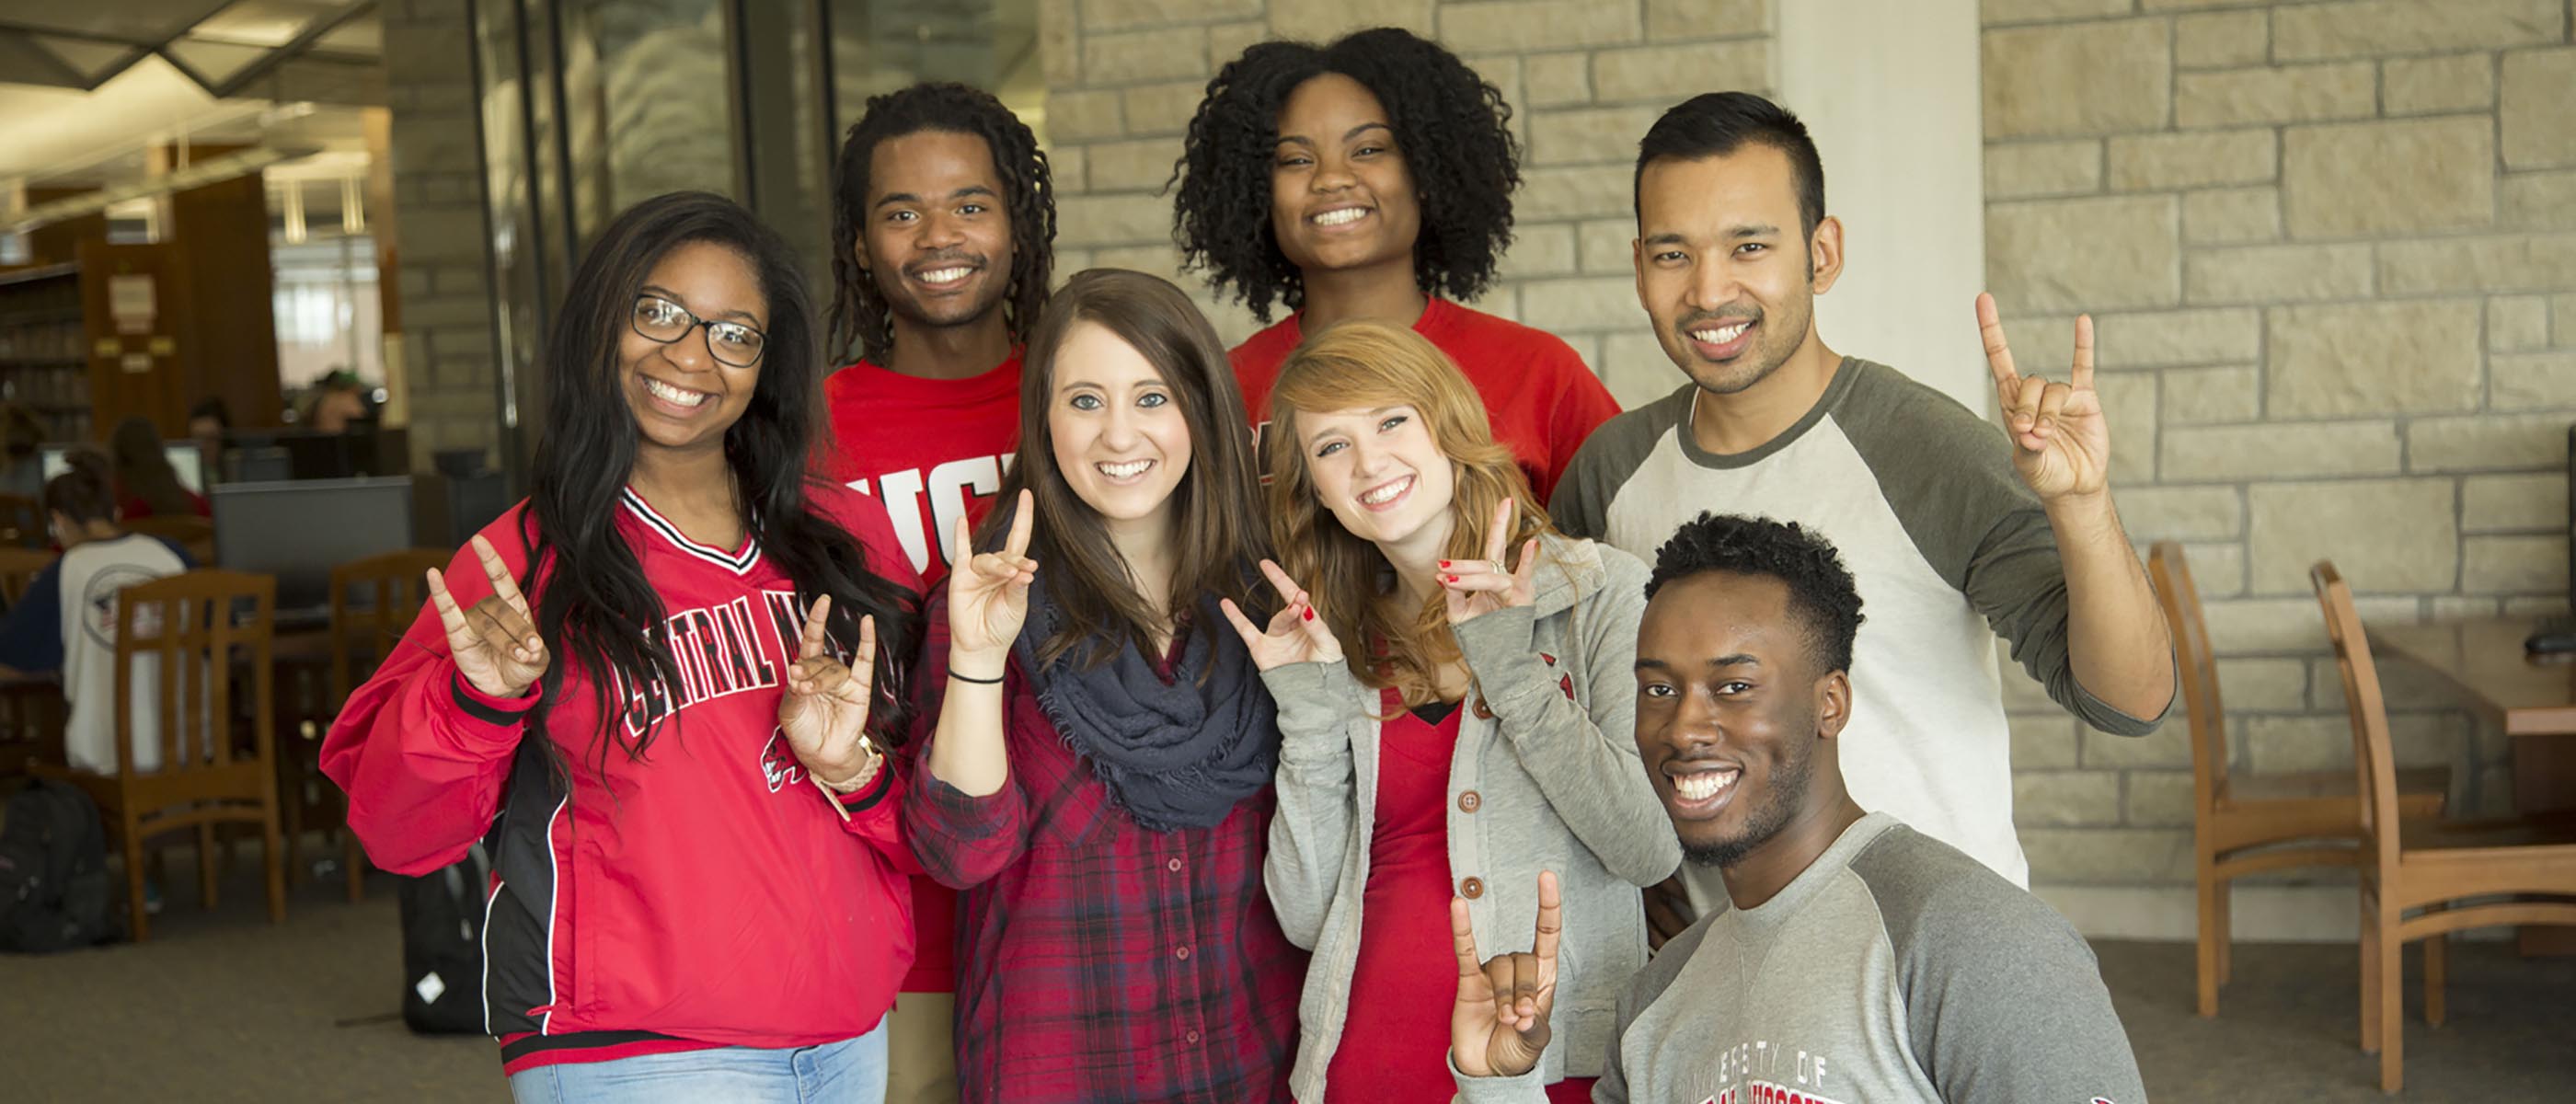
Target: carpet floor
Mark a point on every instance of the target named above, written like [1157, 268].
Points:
[222, 1006]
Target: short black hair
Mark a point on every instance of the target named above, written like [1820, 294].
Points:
[1715, 124]
[1451, 125]
[859, 315]
[1820, 590]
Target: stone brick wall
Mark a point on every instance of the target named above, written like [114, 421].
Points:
[1584, 78]
[439, 222]
[2331, 249]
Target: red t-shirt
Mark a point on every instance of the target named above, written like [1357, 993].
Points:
[931, 450]
[1395, 1044]
[1542, 398]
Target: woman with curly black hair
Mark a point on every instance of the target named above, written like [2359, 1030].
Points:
[1372, 178]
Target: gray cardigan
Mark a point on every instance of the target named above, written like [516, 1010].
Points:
[1559, 788]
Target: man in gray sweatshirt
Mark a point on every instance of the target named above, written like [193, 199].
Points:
[1854, 959]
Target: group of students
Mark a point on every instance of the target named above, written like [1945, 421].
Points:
[1033, 732]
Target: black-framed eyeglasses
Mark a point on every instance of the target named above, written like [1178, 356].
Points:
[660, 320]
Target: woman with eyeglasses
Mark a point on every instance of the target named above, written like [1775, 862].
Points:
[1456, 714]
[650, 689]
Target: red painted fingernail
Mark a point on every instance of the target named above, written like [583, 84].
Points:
[1453, 578]
[1444, 563]
[1310, 613]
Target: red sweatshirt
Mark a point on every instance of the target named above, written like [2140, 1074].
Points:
[1541, 397]
[932, 450]
[710, 895]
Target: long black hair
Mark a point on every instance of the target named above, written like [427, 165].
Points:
[596, 610]
[859, 312]
[1451, 125]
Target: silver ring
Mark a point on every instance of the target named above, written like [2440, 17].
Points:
[1499, 569]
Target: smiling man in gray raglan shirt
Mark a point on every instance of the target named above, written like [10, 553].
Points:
[1854, 959]
[1955, 533]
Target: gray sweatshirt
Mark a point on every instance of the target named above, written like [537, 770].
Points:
[1894, 969]
[1549, 749]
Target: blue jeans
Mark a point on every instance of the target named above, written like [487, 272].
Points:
[852, 1071]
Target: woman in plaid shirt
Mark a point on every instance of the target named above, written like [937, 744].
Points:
[1096, 773]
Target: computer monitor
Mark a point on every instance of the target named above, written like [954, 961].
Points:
[185, 458]
[299, 530]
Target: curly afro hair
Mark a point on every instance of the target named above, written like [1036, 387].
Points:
[859, 313]
[1820, 589]
[1452, 126]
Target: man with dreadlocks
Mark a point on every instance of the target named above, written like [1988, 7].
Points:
[943, 234]
[943, 229]
[1372, 178]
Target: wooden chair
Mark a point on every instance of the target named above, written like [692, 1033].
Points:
[2451, 872]
[22, 522]
[31, 709]
[2247, 824]
[19, 568]
[203, 627]
[373, 602]
[188, 531]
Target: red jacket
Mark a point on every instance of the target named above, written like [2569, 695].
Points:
[710, 894]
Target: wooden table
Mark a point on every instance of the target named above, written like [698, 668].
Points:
[2532, 699]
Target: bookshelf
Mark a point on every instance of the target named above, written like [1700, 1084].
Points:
[44, 364]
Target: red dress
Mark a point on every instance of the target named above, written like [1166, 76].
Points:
[1395, 1042]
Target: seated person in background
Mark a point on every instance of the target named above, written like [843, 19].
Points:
[146, 484]
[338, 400]
[208, 421]
[22, 437]
[67, 618]
[1855, 959]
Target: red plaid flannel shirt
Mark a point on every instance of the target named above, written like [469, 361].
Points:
[1096, 960]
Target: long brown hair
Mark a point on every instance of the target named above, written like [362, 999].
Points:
[145, 470]
[1362, 365]
[1215, 517]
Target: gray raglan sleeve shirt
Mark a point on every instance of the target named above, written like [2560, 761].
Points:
[2004, 1002]
[1948, 476]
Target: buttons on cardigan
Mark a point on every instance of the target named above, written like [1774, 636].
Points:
[1472, 888]
[1469, 801]
[1483, 713]
[1182, 953]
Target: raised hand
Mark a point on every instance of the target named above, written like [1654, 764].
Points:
[1478, 587]
[825, 710]
[988, 596]
[2061, 441]
[1499, 1026]
[495, 644]
[1295, 633]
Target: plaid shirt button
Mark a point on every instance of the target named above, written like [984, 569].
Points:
[1182, 953]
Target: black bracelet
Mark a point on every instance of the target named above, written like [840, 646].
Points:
[973, 679]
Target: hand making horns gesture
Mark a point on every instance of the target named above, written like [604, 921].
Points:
[988, 595]
[1478, 587]
[495, 644]
[1295, 633]
[2061, 441]
[825, 710]
[1499, 1026]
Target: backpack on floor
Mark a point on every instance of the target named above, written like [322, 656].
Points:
[442, 934]
[53, 871]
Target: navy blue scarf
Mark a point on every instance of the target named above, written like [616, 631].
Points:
[1177, 754]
